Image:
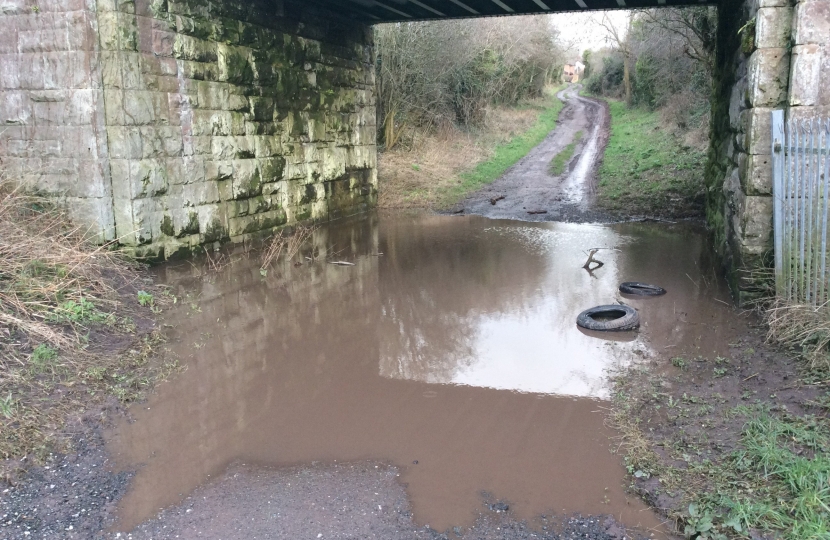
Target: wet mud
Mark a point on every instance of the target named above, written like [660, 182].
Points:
[531, 193]
[449, 352]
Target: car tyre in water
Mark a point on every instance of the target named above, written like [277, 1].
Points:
[609, 318]
[641, 289]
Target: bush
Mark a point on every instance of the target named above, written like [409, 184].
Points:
[447, 73]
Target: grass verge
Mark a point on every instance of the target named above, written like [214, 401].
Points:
[729, 447]
[557, 164]
[442, 168]
[647, 170]
[507, 154]
[76, 327]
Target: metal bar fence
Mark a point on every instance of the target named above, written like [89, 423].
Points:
[801, 204]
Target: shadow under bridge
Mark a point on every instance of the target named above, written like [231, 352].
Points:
[380, 11]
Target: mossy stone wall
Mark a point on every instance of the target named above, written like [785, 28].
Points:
[192, 122]
[751, 79]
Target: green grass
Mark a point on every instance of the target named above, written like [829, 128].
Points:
[777, 480]
[731, 466]
[507, 154]
[557, 164]
[647, 170]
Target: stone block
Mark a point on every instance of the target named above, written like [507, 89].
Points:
[114, 107]
[131, 72]
[15, 108]
[94, 215]
[199, 193]
[213, 222]
[756, 174]
[217, 171]
[806, 75]
[148, 178]
[235, 64]
[193, 170]
[111, 70]
[757, 129]
[120, 178]
[247, 178]
[272, 169]
[124, 142]
[108, 30]
[207, 122]
[755, 219]
[9, 72]
[148, 219]
[773, 26]
[811, 24]
[267, 146]
[768, 76]
[140, 107]
[194, 49]
[239, 226]
[824, 77]
[213, 95]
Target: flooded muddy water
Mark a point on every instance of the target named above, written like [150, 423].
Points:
[449, 350]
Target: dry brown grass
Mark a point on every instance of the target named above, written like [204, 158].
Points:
[804, 327]
[69, 310]
[288, 242]
[420, 175]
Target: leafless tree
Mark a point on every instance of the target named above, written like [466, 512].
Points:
[435, 73]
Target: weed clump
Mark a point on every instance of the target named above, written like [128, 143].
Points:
[68, 313]
[804, 327]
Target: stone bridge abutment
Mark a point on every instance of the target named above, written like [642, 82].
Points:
[168, 124]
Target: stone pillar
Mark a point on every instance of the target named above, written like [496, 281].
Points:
[751, 79]
[52, 135]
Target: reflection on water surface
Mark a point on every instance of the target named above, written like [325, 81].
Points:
[451, 342]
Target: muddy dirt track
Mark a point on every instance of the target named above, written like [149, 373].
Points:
[528, 186]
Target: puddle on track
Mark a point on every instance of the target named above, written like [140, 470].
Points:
[457, 348]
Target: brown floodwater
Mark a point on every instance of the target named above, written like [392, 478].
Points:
[449, 349]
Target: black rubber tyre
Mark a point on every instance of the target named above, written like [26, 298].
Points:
[641, 289]
[609, 318]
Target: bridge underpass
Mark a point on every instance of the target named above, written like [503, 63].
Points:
[170, 124]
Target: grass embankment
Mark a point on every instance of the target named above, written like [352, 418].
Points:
[731, 447]
[443, 168]
[557, 164]
[647, 170]
[76, 327]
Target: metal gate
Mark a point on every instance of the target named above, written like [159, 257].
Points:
[800, 170]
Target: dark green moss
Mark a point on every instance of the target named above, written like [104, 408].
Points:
[273, 169]
[166, 226]
[731, 17]
[192, 225]
[215, 231]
